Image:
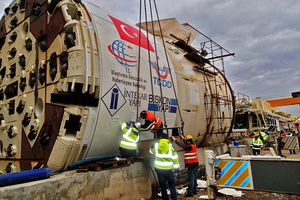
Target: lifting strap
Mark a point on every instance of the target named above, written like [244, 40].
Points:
[156, 61]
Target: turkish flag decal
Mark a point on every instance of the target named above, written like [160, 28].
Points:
[131, 34]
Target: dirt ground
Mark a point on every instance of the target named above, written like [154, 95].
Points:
[247, 195]
[250, 194]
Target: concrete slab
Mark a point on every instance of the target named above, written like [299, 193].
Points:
[127, 183]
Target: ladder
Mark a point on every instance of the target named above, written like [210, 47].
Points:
[262, 121]
[214, 98]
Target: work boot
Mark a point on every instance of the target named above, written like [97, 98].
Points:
[189, 195]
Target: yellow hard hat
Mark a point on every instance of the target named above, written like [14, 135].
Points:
[189, 137]
[256, 134]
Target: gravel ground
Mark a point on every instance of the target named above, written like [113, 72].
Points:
[247, 195]
[250, 194]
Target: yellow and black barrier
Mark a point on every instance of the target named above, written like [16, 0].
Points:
[234, 174]
[291, 143]
[259, 173]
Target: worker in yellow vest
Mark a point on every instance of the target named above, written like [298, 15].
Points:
[256, 144]
[191, 162]
[264, 137]
[131, 135]
[166, 160]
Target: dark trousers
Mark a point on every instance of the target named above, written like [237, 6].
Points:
[256, 151]
[159, 131]
[292, 151]
[125, 153]
[163, 177]
[192, 186]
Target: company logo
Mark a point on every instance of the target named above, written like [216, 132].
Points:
[113, 100]
[123, 53]
[131, 34]
[162, 104]
[162, 71]
[163, 74]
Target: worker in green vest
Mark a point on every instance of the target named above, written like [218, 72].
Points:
[128, 145]
[264, 137]
[166, 160]
[256, 144]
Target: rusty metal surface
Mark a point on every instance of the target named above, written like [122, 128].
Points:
[55, 26]
[30, 5]
[38, 26]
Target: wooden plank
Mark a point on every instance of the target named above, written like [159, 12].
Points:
[272, 151]
[102, 165]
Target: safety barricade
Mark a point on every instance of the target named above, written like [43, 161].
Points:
[234, 174]
[289, 143]
[266, 173]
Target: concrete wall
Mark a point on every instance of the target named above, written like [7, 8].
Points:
[127, 183]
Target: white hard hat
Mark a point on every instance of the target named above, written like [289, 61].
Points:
[137, 125]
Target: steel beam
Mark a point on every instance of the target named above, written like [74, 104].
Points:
[284, 102]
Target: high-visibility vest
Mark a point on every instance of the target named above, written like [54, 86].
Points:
[130, 137]
[166, 157]
[264, 136]
[155, 121]
[256, 143]
[191, 156]
[289, 134]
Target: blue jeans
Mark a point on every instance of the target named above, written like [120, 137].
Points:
[163, 177]
[192, 187]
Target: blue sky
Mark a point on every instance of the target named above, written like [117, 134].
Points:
[264, 35]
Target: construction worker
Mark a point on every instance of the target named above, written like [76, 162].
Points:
[264, 137]
[290, 134]
[152, 122]
[191, 162]
[128, 145]
[166, 159]
[256, 144]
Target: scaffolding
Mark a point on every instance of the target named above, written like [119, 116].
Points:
[218, 98]
[210, 57]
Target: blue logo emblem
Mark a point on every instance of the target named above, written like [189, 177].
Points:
[113, 100]
[123, 53]
[170, 105]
